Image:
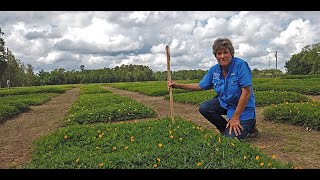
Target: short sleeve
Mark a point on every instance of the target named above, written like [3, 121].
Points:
[244, 76]
[206, 82]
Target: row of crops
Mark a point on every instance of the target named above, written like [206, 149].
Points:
[18, 100]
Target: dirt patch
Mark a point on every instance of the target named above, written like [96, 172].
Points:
[17, 134]
[315, 98]
[289, 143]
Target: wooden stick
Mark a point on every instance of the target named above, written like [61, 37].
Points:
[169, 79]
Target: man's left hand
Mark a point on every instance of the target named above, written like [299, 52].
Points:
[234, 124]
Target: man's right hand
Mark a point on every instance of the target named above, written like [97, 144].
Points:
[170, 84]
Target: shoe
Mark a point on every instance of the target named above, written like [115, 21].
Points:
[254, 132]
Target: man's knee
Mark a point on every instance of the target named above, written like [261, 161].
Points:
[242, 135]
[203, 108]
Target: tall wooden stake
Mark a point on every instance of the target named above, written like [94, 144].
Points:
[169, 79]
[9, 70]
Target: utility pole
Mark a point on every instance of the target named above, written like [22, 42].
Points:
[8, 81]
[276, 60]
[269, 61]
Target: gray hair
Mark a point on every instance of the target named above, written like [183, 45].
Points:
[222, 43]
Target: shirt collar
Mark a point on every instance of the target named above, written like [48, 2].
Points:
[228, 67]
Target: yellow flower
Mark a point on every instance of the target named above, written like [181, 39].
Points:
[269, 164]
[297, 167]
[245, 157]
[219, 139]
[232, 144]
[100, 135]
[160, 145]
[126, 148]
[257, 158]
[77, 161]
[99, 131]
[170, 132]
[171, 137]
[199, 164]
[274, 157]
[158, 159]
[114, 148]
[100, 164]
[155, 165]
[262, 164]
[65, 137]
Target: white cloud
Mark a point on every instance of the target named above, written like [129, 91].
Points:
[298, 34]
[213, 28]
[50, 58]
[246, 50]
[55, 39]
[139, 16]
[160, 48]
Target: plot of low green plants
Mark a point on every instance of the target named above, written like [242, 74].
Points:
[150, 88]
[308, 76]
[302, 114]
[93, 89]
[304, 86]
[258, 81]
[35, 90]
[15, 104]
[262, 97]
[153, 144]
[106, 107]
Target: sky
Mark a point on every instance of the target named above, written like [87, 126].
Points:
[50, 40]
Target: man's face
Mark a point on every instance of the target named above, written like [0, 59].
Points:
[224, 57]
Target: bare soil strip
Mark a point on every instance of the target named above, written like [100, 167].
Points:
[289, 143]
[17, 134]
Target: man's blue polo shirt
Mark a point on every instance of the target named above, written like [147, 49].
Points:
[229, 89]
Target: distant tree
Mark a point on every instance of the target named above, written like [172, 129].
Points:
[57, 77]
[30, 77]
[3, 63]
[305, 62]
[41, 77]
[296, 65]
[82, 67]
[255, 72]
